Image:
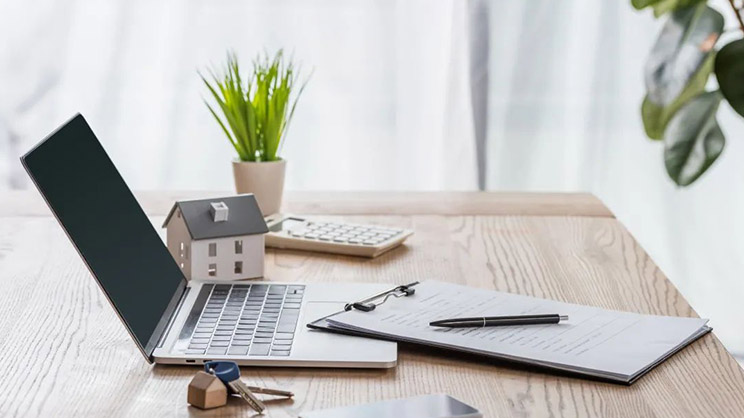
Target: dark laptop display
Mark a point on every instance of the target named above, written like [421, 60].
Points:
[109, 229]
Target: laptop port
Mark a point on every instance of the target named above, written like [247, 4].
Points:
[190, 361]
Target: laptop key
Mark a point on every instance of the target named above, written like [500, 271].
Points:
[279, 353]
[217, 350]
[195, 351]
[260, 349]
[283, 336]
[282, 342]
[242, 337]
[238, 351]
[286, 328]
[221, 338]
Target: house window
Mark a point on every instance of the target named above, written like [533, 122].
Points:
[180, 248]
[184, 251]
[239, 246]
[212, 270]
[213, 249]
[238, 267]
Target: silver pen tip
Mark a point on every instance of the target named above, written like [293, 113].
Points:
[563, 317]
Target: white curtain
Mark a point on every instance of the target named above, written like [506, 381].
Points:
[387, 106]
[405, 95]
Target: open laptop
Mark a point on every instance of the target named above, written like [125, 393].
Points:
[170, 319]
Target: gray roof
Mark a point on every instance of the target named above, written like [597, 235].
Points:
[244, 217]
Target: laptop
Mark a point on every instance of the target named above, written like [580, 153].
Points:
[172, 320]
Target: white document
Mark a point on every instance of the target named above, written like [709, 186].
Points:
[594, 341]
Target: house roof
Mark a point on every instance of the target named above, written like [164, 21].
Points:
[244, 217]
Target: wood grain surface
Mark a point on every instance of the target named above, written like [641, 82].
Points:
[66, 354]
[23, 203]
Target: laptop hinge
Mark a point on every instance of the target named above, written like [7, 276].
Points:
[173, 317]
[165, 320]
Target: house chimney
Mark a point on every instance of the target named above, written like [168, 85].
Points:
[219, 211]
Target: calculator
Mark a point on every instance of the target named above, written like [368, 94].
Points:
[299, 233]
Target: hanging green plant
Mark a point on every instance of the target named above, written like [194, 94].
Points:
[677, 108]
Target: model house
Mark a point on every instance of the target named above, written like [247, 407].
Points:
[217, 239]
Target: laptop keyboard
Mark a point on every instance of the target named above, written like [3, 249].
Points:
[248, 319]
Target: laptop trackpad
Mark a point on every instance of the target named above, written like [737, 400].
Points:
[320, 344]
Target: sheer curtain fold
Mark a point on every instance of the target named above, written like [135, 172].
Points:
[405, 95]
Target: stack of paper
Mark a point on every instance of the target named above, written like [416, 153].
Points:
[612, 345]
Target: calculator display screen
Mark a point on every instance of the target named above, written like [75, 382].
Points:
[105, 223]
[286, 224]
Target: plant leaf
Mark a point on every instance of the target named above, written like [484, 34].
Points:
[693, 140]
[682, 47]
[655, 118]
[664, 6]
[730, 74]
[642, 4]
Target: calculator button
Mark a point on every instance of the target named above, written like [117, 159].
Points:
[340, 239]
[326, 237]
[369, 242]
[311, 235]
[355, 241]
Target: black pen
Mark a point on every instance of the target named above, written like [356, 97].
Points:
[497, 321]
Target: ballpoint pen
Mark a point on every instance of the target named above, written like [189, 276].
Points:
[495, 321]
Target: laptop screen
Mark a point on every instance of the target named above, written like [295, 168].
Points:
[109, 229]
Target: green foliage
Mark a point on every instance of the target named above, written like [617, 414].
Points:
[656, 117]
[676, 107]
[256, 109]
[693, 140]
[730, 74]
[664, 6]
[685, 42]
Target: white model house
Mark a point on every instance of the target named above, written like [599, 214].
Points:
[217, 239]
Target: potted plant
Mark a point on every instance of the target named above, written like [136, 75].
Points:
[256, 111]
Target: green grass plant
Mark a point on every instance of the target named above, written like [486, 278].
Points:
[257, 108]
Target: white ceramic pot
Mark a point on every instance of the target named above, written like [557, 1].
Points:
[265, 180]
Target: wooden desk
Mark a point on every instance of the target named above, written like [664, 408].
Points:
[66, 354]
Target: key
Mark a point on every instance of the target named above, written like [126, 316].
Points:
[229, 373]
